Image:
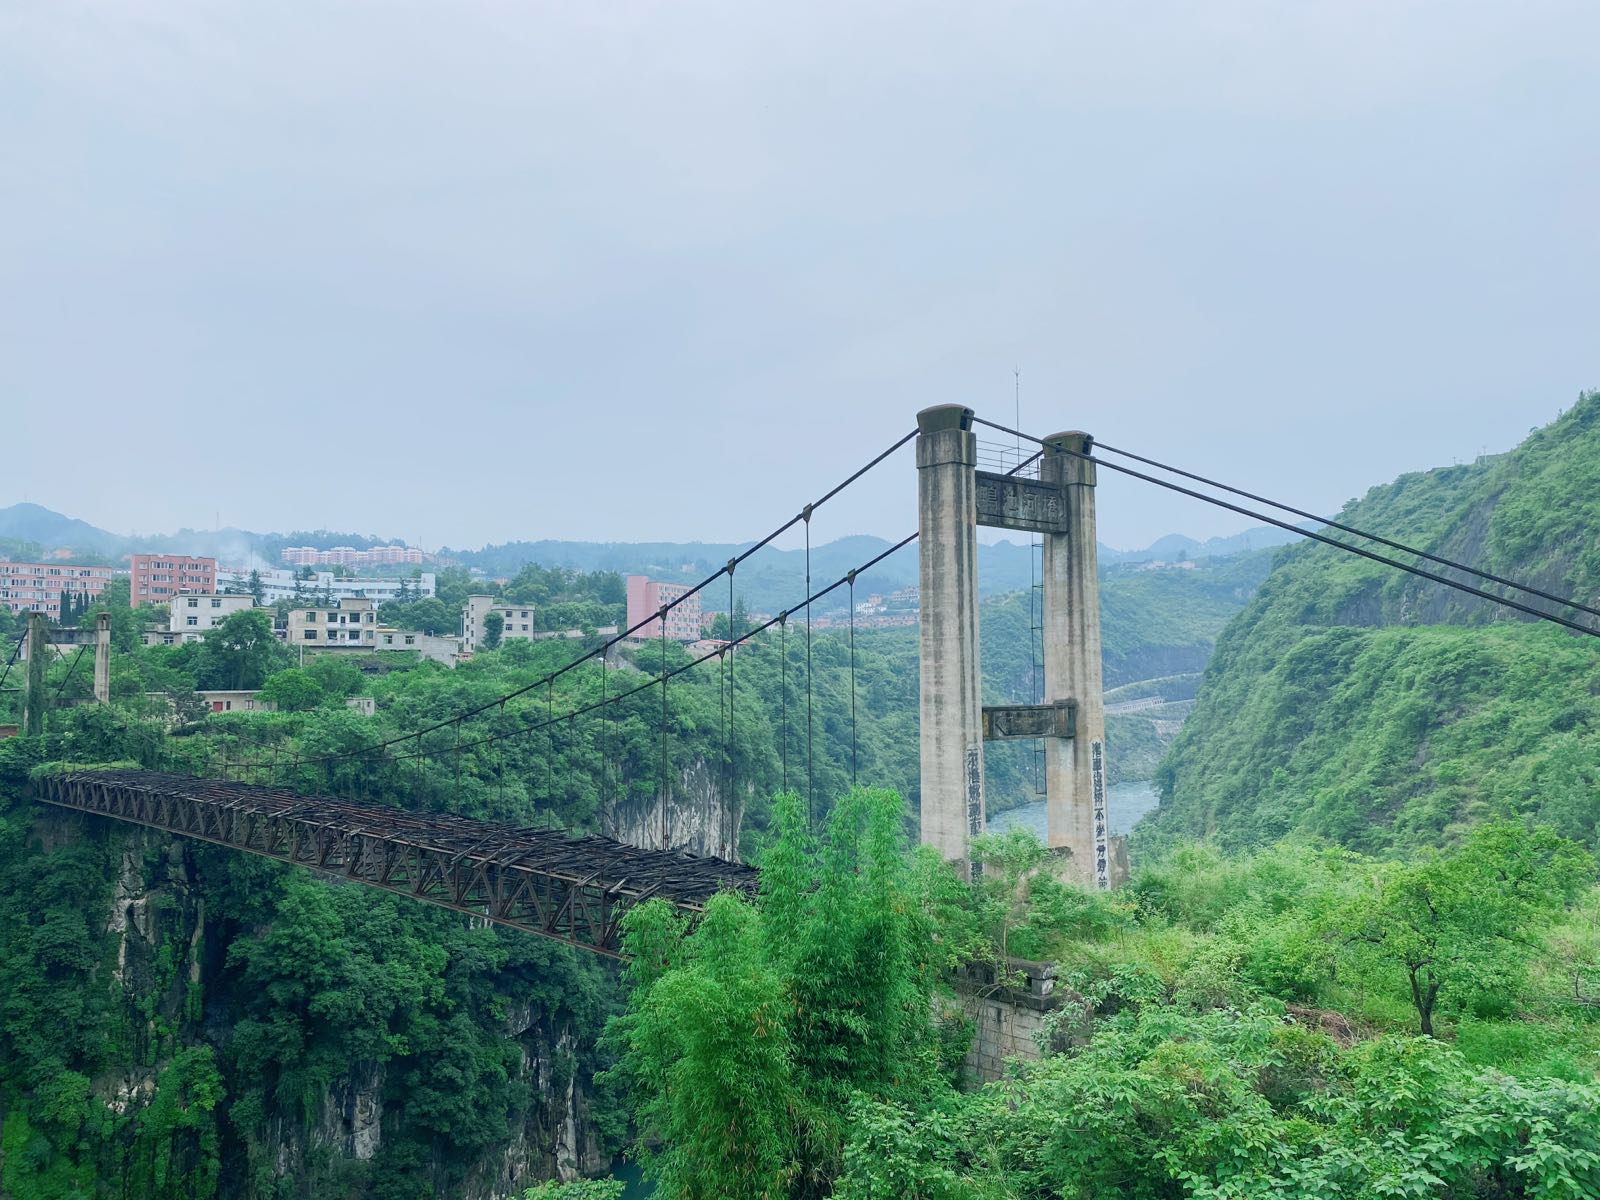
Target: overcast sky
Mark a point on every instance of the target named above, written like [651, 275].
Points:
[463, 272]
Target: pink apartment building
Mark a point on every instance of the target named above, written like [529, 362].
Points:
[645, 598]
[157, 578]
[37, 587]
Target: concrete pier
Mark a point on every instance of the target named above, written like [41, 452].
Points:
[102, 658]
[951, 707]
[34, 700]
[1075, 769]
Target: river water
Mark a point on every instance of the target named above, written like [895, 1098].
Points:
[1125, 802]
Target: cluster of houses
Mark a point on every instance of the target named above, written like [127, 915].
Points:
[335, 611]
[350, 622]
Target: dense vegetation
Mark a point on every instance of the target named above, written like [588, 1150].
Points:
[1390, 987]
[1366, 705]
[1232, 1029]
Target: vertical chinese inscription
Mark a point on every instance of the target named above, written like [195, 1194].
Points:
[974, 765]
[1102, 852]
[974, 791]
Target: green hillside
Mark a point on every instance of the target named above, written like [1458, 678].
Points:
[1361, 703]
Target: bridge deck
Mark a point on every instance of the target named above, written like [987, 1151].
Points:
[573, 889]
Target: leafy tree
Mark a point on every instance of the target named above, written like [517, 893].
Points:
[1220, 1105]
[293, 690]
[257, 589]
[428, 615]
[1573, 953]
[336, 675]
[126, 623]
[746, 1038]
[578, 1189]
[1466, 921]
[493, 626]
[240, 652]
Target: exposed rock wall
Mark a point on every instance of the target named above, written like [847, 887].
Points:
[697, 816]
[174, 990]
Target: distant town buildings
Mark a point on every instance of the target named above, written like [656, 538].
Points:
[190, 616]
[279, 585]
[518, 620]
[157, 578]
[646, 597]
[37, 587]
[349, 556]
[441, 648]
[351, 624]
[226, 701]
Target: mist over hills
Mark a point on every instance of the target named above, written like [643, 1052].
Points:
[767, 579]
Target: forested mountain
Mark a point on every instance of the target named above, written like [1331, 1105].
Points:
[1364, 704]
[771, 578]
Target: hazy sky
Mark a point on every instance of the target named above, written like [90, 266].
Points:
[463, 272]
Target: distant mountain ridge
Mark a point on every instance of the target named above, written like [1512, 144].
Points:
[766, 580]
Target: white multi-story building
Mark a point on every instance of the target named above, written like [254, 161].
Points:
[353, 625]
[350, 625]
[517, 618]
[191, 614]
[279, 585]
[349, 556]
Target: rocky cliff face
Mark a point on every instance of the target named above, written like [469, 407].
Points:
[697, 816]
[174, 989]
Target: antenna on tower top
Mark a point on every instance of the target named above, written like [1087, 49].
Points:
[1016, 397]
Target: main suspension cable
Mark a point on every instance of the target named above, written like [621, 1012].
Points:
[811, 785]
[622, 635]
[1420, 572]
[694, 662]
[1564, 601]
[1373, 537]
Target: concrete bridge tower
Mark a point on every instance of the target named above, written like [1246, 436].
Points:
[954, 498]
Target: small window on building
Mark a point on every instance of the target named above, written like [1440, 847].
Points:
[311, 618]
[191, 620]
[194, 604]
[310, 635]
[216, 604]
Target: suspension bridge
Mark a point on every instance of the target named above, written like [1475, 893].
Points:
[576, 890]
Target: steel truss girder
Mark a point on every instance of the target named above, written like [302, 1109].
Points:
[572, 890]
